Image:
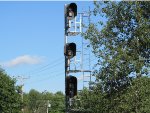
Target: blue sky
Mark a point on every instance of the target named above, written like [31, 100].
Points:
[32, 42]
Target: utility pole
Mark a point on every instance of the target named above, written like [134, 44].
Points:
[22, 79]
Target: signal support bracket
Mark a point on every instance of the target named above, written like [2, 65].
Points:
[76, 26]
[76, 71]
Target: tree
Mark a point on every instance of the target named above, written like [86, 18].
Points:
[120, 42]
[88, 102]
[37, 102]
[10, 100]
[122, 46]
[57, 103]
[137, 97]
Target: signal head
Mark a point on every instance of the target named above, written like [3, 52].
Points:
[71, 11]
[70, 50]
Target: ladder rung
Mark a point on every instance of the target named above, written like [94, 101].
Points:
[86, 81]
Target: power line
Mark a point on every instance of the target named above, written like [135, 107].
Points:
[47, 78]
[39, 74]
[45, 67]
[50, 65]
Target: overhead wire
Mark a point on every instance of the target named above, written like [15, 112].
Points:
[45, 79]
[45, 67]
[50, 65]
[49, 76]
[47, 72]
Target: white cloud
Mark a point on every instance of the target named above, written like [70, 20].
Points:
[25, 59]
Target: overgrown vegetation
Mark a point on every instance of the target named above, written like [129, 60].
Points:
[122, 46]
[10, 100]
[36, 102]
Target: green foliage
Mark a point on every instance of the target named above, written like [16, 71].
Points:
[134, 99]
[137, 97]
[36, 102]
[10, 100]
[121, 42]
[58, 103]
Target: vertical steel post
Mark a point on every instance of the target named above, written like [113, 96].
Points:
[66, 60]
[82, 62]
[89, 48]
[81, 15]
